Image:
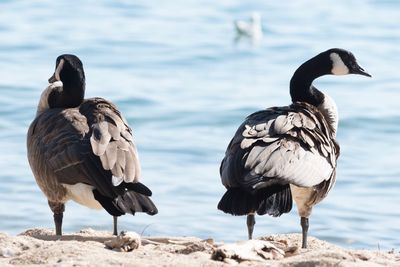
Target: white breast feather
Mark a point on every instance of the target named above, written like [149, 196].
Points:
[83, 194]
[329, 109]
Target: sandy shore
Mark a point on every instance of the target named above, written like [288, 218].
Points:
[87, 248]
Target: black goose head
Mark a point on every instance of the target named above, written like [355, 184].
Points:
[335, 61]
[343, 62]
[69, 70]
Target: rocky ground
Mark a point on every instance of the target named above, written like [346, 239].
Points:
[95, 248]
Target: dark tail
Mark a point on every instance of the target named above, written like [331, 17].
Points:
[237, 201]
[130, 199]
[273, 200]
[131, 202]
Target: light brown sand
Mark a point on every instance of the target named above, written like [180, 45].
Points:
[86, 248]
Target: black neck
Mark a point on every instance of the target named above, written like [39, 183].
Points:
[70, 96]
[301, 89]
[73, 90]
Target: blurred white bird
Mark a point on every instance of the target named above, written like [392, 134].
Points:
[250, 28]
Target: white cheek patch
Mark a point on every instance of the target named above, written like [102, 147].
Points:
[56, 84]
[338, 66]
[58, 70]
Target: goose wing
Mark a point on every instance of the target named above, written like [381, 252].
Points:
[112, 141]
[91, 145]
[292, 144]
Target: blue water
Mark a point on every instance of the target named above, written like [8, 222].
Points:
[184, 85]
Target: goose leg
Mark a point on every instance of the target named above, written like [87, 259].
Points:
[115, 225]
[58, 211]
[58, 218]
[304, 225]
[251, 221]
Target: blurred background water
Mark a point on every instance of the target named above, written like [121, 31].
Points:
[184, 85]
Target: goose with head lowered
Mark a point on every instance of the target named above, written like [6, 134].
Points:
[285, 153]
[83, 149]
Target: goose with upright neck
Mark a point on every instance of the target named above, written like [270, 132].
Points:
[83, 150]
[334, 61]
[285, 153]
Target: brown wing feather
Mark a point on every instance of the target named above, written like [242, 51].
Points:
[87, 145]
[111, 140]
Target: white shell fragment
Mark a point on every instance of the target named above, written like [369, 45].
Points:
[250, 250]
[124, 242]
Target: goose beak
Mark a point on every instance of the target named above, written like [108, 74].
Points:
[360, 71]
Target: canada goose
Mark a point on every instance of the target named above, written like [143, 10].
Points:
[287, 152]
[83, 149]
